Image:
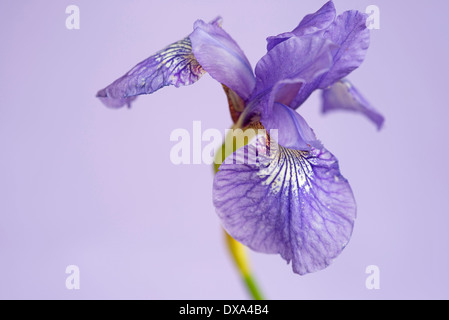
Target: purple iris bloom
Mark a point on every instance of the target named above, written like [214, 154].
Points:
[295, 202]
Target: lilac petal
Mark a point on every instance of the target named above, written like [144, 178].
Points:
[317, 21]
[222, 58]
[342, 95]
[349, 31]
[174, 65]
[292, 202]
[114, 103]
[305, 92]
[273, 41]
[285, 68]
[218, 21]
[311, 23]
[303, 58]
[292, 130]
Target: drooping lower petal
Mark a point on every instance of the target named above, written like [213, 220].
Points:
[222, 58]
[342, 95]
[175, 65]
[290, 202]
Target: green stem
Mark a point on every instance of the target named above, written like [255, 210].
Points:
[240, 256]
[253, 288]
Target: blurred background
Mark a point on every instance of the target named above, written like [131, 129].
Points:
[84, 185]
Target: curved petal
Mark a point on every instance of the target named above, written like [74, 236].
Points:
[222, 58]
[273, 41]
[174, 65]
[291, 202]
[283, 72]
[317, 21]
[306, 90]
[350, 33]
[342, 95]
[218, 21]
[292, 130]
[311, 23]
[295, 58]
[285, 68]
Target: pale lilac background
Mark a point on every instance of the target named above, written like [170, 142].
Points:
[82, 184]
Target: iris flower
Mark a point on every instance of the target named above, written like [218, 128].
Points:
[295, 202]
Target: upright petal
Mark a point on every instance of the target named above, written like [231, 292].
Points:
[317, 21]
[175, 65]
[285, 68]
[222, 58]
[311, 23]
[273, 41]
[342, 95]
[351, 36]
[292, 202]
[350, 33]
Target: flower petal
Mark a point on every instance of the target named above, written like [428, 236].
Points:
[304, 58]
[292, 130]
[306, 90]
[175, 65]
[222, 58]
[342, 95]
[273, 41]
[311, 23]
[292, 62]
[292, 202]
[350, 33]
[317, 21]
